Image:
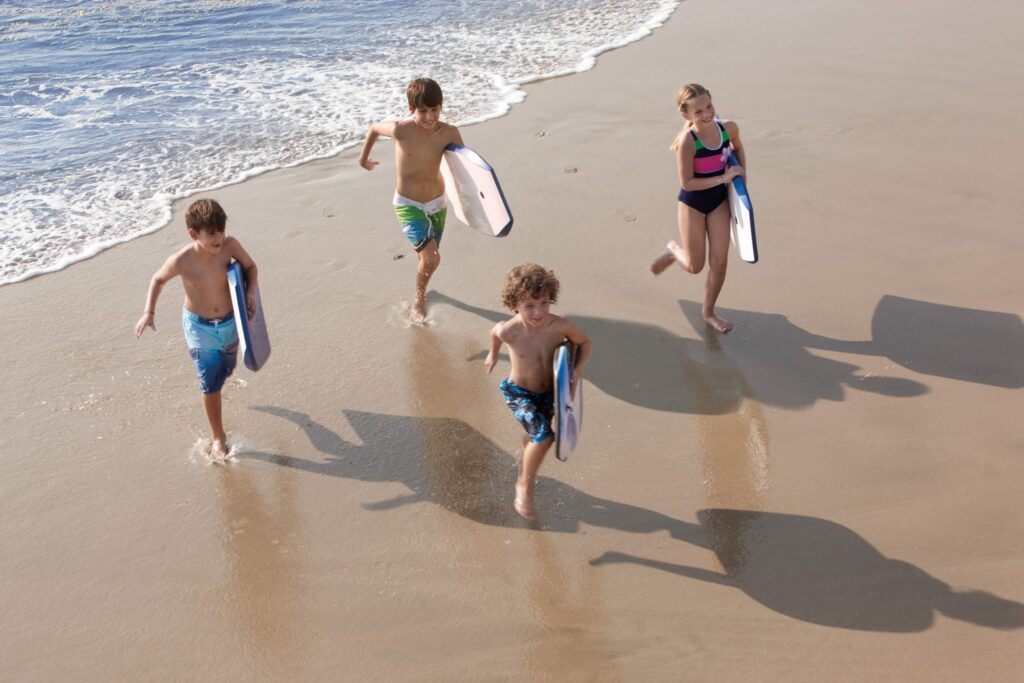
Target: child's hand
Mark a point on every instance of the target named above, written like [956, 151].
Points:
[368, 164]
[250, 304]
[733, 171]
[576, 376]
[147, 320]
[489, 362]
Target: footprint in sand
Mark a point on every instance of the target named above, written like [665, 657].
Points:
[571, 169]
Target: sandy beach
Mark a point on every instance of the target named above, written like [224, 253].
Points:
[830, 492]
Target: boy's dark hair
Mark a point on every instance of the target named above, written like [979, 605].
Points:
[526, 280]
[424, 93]
[205, 214]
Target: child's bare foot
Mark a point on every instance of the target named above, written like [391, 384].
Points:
[218, 450]
[661, 264]
[419, 309]
[678, 252]
[524, 501]
[720, 324]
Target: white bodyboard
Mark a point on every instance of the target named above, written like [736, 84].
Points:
[473, 191]
[741, 228]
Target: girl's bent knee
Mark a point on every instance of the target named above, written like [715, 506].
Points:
[693, 268]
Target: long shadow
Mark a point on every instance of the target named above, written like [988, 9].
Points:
[970, 345]
[803, 567]
[823, 573]
[775, 358]
[642, 364]
[463, 479]
[651, 367]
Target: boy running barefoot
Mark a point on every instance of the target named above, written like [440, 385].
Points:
[419, 188]
[207, 316]
[532, 336]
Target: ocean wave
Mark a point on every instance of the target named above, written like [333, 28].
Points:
[95, 149]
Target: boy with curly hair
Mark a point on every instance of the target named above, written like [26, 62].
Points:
[532, 335]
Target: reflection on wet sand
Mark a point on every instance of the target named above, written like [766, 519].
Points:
[262, 539]
[570, 611]
[734, 446]
[566, 606]
[442, 388]
[803, 567]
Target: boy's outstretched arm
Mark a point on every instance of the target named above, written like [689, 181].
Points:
[573, 334]
[167, 272]
[237, 252]
[492, 355]
[386, 128]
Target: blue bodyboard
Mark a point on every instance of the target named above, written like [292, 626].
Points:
[252, 333]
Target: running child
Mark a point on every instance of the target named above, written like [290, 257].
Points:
[702, 150]
[419, 188]
[532, 335]
[207, 315]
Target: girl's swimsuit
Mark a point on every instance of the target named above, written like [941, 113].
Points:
[708, 163]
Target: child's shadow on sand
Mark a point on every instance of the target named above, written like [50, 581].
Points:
[651, 367]
[985, 347]
[446, 462]
[803, 567]
[823, 573]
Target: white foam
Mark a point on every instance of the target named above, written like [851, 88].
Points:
[124, 159]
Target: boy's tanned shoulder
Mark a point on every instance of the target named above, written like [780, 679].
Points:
[182, 255]
[232, 244]
[504, 327]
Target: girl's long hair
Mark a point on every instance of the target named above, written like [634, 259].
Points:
[685, 94]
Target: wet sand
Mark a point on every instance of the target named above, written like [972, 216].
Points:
[830, 492]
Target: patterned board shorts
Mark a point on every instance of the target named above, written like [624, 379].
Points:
[534, 411]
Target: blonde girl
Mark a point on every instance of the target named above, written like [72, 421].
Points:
[702, 152]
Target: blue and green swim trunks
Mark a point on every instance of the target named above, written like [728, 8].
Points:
[534, 411]
[213, 347]
[421, 222]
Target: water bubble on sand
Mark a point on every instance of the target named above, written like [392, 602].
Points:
[402, 315]
[200, 451]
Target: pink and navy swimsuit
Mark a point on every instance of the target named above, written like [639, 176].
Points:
[706, 164]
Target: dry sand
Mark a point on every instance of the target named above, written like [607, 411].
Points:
[831, 492]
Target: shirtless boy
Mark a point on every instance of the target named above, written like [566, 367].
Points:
[419, 188]
[532, 335]
[208, 316]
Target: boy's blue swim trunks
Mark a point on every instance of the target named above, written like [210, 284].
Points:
[213, 346]
[534, 411]
[421, 222]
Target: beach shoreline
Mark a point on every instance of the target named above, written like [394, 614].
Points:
[828, 492]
